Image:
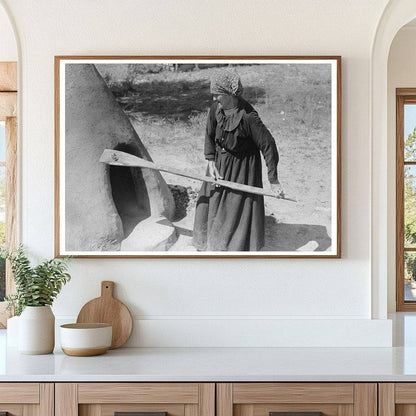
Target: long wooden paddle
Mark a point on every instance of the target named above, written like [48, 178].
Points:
[118, 158]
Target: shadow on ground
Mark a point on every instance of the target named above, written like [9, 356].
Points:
[172, 100]
[291, 237]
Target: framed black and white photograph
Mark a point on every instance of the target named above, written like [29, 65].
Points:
[198, 156]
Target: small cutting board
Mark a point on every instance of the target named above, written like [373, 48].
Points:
[107, 309]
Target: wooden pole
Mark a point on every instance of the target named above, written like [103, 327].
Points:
[118, 158]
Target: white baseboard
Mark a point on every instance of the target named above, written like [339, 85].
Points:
[165, 332]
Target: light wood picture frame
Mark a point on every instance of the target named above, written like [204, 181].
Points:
[137, 137]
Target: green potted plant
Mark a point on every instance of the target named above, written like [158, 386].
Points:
[36, 289]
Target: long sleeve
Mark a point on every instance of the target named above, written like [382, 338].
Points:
[209, 148]
[266, 143]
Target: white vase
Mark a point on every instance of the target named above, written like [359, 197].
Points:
[13, 331]
[37, 330]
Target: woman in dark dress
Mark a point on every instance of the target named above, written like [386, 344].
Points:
[226, 219]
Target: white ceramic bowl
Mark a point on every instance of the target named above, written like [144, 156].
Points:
[84, 340]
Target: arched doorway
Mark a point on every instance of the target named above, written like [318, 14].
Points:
[8, 148]
[396, 14]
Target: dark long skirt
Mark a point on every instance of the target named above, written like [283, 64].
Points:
[229, 220]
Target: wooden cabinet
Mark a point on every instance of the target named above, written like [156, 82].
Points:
[105, 399]
[397, 399]
[27, 399]
[208, 399]
[297, 399]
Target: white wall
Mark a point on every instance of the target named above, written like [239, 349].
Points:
[8, 47]
[179, 302]
[401, 74]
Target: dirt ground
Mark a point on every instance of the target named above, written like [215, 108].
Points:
[169, 109]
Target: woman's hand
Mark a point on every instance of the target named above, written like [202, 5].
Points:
[213, 171]
[277, 190]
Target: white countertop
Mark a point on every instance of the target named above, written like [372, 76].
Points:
[213, 364]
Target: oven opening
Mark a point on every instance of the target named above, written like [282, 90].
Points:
[129, 192]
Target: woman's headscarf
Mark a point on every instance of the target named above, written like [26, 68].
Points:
[226, 81]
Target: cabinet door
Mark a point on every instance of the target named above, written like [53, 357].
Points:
[26, 399]
[145, 399]
[297, 399]
[397, 399]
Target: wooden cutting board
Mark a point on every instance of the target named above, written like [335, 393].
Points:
[107, 309]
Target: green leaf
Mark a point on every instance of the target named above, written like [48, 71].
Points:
[35, 286]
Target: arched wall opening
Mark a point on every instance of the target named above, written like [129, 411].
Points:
[9, 59]
[400, 74]
[396, 15]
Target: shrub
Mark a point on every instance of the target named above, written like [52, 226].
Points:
[35, 286]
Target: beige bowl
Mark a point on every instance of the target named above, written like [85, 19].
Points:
[83, 340]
